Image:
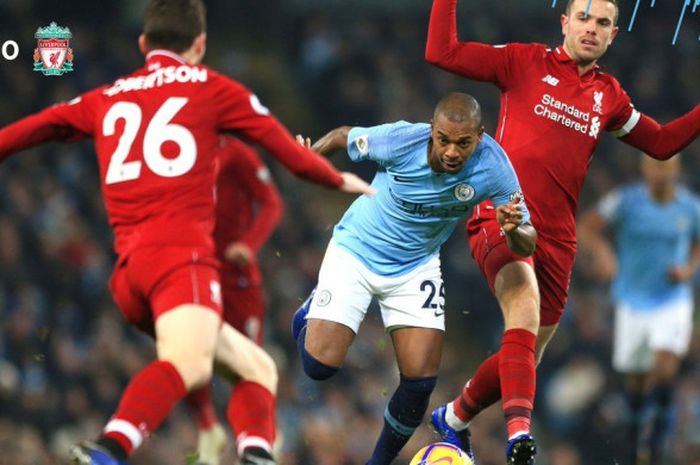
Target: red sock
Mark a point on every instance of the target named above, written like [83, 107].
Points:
[202, 407]
[251, 413]
[482, 391]
[146, 402]
[517, 369]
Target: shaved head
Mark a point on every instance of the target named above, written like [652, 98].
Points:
[459, 108]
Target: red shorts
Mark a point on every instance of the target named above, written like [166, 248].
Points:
[552, 262]
[244, 308]
[150, 281]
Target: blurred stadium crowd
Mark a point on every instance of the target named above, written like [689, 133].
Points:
[65, 352]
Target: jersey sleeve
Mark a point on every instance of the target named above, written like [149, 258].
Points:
[376, 143]
[505, 186]
[625, 116]
[473, 60]
[240, 111]
[609, 206]
[70, 121]
[254, 177]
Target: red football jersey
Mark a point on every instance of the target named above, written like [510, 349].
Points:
[248, 206]
[156, 132]
[550, 120]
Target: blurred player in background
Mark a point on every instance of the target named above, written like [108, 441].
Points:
[155, 134]
[656, 225]
[388, 247]
[555, 104]
[248, 208]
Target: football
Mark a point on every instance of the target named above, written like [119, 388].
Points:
[441, 453]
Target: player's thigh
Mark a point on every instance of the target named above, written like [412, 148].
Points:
[185, 297]
[631, 350]
[489, 247]
[338, 307]
[186, 337]
[238, 357]
[671, 335]
[518, 295]
[418, 350]
[415, 300]
[343, 291]
[244, 308]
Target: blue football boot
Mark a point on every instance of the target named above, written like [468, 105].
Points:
[521, 450]
[448, 434]
[89, 453]
[299, 320]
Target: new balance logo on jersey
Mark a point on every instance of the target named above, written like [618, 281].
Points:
[551, 80]
[598, 101]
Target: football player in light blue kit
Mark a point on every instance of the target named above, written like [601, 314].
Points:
[657, 250]
[387, 246]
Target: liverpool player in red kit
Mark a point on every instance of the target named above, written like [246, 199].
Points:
[555, 105]
[155, 134]
[248, 208]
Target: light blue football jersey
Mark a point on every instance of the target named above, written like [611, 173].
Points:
[650, 237]
[416, 209]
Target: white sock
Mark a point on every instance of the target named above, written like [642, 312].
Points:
[453, 420]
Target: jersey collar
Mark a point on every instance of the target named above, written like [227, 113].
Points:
[564, 58]
[158, 58]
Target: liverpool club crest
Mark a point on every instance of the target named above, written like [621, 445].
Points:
[53, 55]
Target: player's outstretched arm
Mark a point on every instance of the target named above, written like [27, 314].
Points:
[521, 237]
[57, 123]
[470, 59]
[334, 140]
[664, 141]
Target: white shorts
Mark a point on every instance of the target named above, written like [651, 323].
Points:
[638, 334]
[346, 287]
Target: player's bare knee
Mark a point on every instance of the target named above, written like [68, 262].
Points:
[522, 314]
[262, 369]
[195, 370]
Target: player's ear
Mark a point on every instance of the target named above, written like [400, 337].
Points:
[142, 44]
[564, 24]
[613, 34]
[200, 43]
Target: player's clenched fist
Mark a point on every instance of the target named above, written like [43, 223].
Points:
[510, 216]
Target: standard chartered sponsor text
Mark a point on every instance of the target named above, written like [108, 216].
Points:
[563, 113]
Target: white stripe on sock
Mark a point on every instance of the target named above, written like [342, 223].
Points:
[243, 441]
[133, 434]
[453, 420]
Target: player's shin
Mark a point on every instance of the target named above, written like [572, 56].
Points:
[480, 392]
[517, 372]
[147, 401]
[251, 414]
[662, 396]
[200, 403]
[402, 416]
